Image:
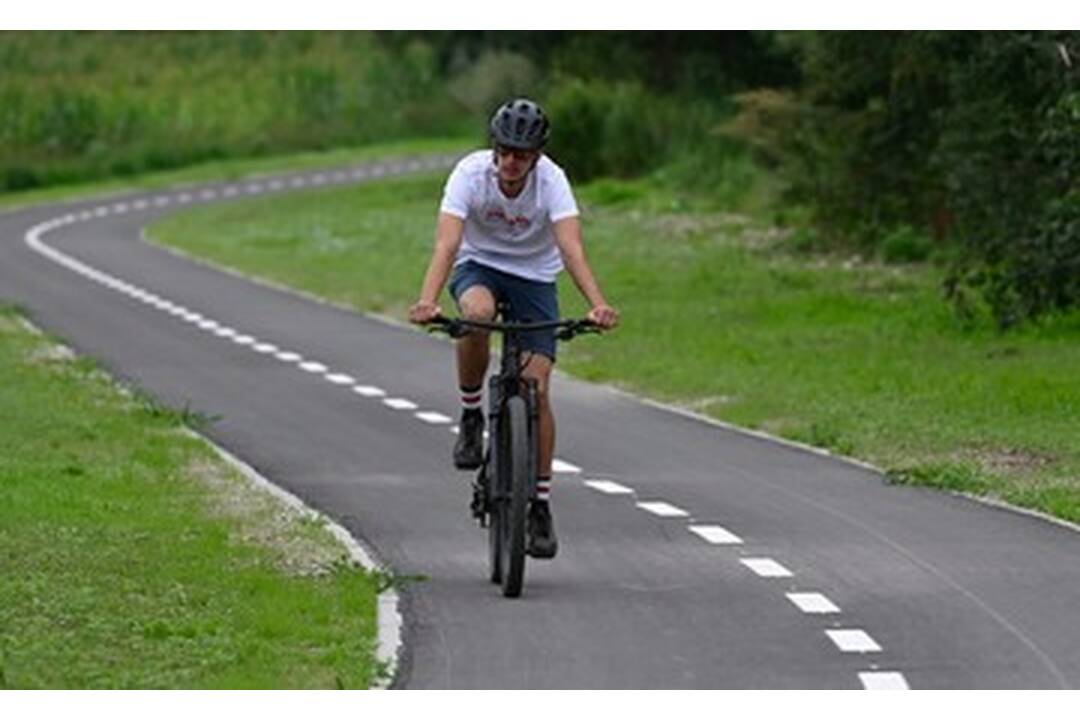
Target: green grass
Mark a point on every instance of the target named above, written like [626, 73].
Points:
[132, 557]
[78, 106]
[223, 170]
[863, 359]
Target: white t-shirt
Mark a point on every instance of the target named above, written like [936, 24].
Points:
[514, 235]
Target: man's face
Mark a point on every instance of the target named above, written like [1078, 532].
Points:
[514, 164]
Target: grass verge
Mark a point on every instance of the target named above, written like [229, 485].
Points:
[865, 360]
[131, 556]
[227, 170]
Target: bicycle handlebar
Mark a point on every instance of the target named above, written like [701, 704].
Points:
[567, 329]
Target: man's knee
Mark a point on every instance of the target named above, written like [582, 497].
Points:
[477, 303]
[539, 368]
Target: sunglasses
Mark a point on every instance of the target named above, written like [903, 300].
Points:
[519, 155]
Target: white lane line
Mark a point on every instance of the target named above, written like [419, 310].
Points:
[341, 379]
[400, 404]
[813, 603]
[766, 567]
[609, 487]
[313, 367]
[716, 535]
[244, 340]
[183, 198]
[120, 208]
[289, 357]
[225, 332]
[254, 188]
[853, 641]
[561, 466]
[883, 681]
[207, 195]
[207, 324]
[662, 509]
[434, 418]
[298, 182]
[369, 391]
[265, 348]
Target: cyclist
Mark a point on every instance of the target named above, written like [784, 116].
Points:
[508, 223]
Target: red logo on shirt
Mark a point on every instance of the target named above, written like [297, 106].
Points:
[516, 223]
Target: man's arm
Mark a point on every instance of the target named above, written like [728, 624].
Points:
[568, 238]
[448, 234]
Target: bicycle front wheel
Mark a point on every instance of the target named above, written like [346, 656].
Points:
[516, 449]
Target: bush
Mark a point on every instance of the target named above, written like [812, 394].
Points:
[905, 244]
[492, 79]
[969, 138]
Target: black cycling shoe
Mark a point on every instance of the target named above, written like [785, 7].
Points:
[542, 541]
[469, 450]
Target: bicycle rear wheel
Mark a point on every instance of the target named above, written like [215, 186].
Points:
[515, 504]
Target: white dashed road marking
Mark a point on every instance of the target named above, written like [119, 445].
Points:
[883, 681]
[855, 641]
[400, 404]
[341, 379]
[608, 487]
[561, 466]
[313, 367]
[434, 418]
[766, 567]
[662, 509]
[813, 603]
[369, 391]
[716, 535]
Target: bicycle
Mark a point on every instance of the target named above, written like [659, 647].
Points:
[506, 481]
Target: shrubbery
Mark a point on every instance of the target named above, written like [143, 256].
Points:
[84, 105]
[972, 139]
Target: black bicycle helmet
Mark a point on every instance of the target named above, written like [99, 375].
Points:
[520, 124]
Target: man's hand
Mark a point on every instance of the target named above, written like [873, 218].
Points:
[424, 312]
[605, 316]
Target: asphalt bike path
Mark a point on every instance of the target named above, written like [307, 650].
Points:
[691, 555]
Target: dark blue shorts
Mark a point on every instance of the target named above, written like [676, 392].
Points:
[529, 300]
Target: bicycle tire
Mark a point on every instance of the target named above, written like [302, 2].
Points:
[494, 522]
[515, 505]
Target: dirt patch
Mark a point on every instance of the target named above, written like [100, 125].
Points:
[702, 405]
[50, 354]
[9, 325]
[298, 541]
[1008, 461]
